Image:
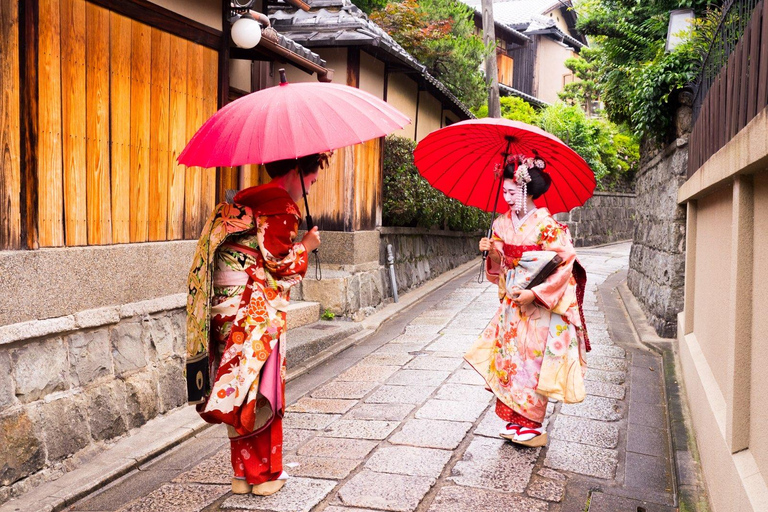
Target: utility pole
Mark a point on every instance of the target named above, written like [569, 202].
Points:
[491, 73]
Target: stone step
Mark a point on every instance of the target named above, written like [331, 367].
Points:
[301, 313]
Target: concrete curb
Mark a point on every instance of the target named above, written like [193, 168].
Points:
[164, 433]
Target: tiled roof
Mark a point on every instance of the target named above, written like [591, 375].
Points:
[292, 46]
[341, 23]
[505, 90]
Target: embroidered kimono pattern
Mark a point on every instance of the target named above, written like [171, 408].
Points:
[531, 353]
[251, 273]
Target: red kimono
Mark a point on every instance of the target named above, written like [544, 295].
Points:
[251, 272]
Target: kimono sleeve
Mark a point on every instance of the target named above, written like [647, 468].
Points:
[283, 259]
[555, 237]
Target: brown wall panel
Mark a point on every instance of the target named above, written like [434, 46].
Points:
[99, 204]
[50, 180]
[141, 58]
[210, 101]
[194, 180]
[178, 137]
[73, 115]
[120, 36]
[10, 150]
[159, 156]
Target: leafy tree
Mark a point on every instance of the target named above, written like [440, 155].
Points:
[368, 6]
[440, 34]
[584, 90]
[634, 73]
[514, 108]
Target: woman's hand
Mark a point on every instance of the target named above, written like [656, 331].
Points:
[523, 297]
[311, 239]
[485, 244]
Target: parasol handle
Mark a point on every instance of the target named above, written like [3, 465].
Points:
[310, 225]
[495, 206]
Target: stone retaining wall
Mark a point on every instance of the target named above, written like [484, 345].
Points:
[606, 217]
[657, 261]
[91, 379]
[422, 254]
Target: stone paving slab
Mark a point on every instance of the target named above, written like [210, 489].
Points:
[335, 508]
[581, 458]
[400, 394]
[649, 415]
[407, 377]
[470, 377]
[431, 434]
[337, 447]
[455, 498]
[298, 495]
[602, 502]
[409, 460]
[647, 473]
[309, 421]
[605, 389]
[596, 408]
[586, 431]
[385, 491]
[610, 364]
[495, 464]
[214, 470]
[178, 498]
[604, 376]
[387, 359]
[646, 440]
[464, 392]
[490, 425]
[401, 348]
[293, 438]
[321, 405]
[319, 467]
[547, 490]
[386, 412]
[426, 362]
[608, 350]
[361, 429]
[368, 373]
[345, 390]
[451, 410]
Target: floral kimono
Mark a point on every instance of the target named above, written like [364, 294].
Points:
[239, 291]
[530, 353]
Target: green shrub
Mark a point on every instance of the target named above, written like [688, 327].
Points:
[410, 201]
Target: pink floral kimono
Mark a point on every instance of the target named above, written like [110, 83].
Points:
[531, 353]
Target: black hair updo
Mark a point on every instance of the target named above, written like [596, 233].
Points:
[540, 180]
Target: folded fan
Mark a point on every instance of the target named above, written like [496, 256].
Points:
[532, 269]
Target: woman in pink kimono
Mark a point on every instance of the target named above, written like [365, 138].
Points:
[534, 347]
[246, 262]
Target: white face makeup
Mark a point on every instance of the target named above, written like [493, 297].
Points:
[511, 191]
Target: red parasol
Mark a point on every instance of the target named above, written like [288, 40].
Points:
[463, 161]
[290, 121]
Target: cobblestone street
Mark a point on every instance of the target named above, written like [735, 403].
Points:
[400, 422]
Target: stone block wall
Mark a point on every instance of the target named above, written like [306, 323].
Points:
[87, 381]
[421, 254]
[606, 217]
[657, 260]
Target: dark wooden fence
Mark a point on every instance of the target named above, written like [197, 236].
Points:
[733, 85]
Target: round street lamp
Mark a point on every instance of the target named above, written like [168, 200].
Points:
[246, 31]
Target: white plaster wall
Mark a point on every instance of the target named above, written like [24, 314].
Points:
[207, 12]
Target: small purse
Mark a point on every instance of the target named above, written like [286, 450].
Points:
[532, 269]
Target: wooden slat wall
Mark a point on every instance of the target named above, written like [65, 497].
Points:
[120, 106]
[117, 104]
[367, 191]
[736, 96]
[505, 66]
[73, 115]
[99, 204]
[10, 168]
[178, 137]
[159, 156]
[50, 193]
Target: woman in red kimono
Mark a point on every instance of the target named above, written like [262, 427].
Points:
[246, 263]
